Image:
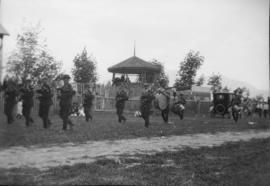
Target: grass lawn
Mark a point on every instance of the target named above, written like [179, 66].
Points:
[241, 163]
[105, 126]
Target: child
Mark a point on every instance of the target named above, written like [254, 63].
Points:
[19, 110]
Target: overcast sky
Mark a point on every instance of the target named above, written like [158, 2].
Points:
[232, 35]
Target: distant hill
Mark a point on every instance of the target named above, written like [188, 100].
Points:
[232, 84]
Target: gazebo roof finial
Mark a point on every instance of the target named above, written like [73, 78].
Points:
[134, 48]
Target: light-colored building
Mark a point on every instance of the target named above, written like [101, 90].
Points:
[198, 93]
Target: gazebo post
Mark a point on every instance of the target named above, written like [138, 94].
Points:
[144, 77]
[113, 77]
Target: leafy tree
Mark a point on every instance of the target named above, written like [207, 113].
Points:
[162, 72]
[188, 69]
[215, 81]
[31, 58]
[200, 81]
[84, 70]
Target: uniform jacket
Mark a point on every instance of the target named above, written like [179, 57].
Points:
[27, 96]
[146, 101]
[236, 100]
[121, 97]
[45, 95]
[88, 99]
[11, 92]
[65, 95]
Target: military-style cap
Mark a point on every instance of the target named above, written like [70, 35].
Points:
[66, 76]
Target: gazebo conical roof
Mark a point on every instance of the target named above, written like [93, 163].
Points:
[3, 31]
[134, 65]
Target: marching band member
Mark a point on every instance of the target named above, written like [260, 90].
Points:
[65, 96]
[146, 104]
[121, 97]
[87, 103]
[27, 94]
[10, 95]
[163, 98]
[45, 102]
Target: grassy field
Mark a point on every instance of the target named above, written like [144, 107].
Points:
[105, 126]
[242, 163]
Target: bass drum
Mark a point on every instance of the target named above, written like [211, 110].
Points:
[161, 101]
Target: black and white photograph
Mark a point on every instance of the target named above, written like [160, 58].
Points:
[135, 92]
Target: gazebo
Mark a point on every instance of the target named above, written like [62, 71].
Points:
[147, 72]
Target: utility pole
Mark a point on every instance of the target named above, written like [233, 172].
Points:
[3, 32]
[269, 55]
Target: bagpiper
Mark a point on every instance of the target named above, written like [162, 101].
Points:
[10, 95]
[121, 97]
[45, 102]
[88, 103]
[65, 95]
[146, 99]
[27, 94]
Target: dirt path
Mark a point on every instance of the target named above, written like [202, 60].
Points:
[69, 153]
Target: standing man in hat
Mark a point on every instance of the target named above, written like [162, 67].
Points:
[87, 103]
[27, 94]
[121, 97]
[236, 101]
[65, 95]
[10, 95]
[45, 102]
[146, 104]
